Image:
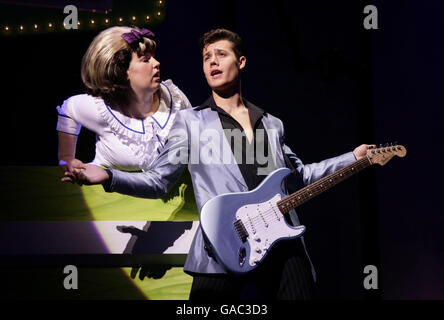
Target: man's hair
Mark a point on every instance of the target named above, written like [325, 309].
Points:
[223, 34]
[105, 64]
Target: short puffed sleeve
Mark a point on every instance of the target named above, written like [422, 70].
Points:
[78, 111]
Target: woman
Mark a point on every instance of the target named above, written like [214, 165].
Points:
[130, 110]
[126, 104]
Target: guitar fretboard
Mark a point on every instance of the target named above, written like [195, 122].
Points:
[303, 195]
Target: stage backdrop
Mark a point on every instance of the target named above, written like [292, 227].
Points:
[334, 84]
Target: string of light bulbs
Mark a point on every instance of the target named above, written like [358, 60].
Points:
[88, 23]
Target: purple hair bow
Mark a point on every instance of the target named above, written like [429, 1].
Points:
[136, 36]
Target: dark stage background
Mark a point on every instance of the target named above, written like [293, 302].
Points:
[333, 83]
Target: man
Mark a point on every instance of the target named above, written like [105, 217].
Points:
[200, 138]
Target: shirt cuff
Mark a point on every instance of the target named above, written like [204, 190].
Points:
[107, 184]
[349, 157]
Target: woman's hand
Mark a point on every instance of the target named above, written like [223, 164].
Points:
[361, 151]
[68, 166]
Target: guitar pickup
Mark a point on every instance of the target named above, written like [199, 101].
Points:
[241, 231]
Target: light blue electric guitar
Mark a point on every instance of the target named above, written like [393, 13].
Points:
[241, 228]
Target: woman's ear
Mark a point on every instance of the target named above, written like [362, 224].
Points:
[241, 62]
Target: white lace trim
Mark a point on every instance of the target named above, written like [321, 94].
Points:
[145, 140]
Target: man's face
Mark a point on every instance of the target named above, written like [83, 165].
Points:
[220, 65]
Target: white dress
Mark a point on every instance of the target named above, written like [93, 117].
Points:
[122, 142]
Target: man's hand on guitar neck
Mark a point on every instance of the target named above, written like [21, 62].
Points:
[361, 151]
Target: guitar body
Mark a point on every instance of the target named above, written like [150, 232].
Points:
[241, 228]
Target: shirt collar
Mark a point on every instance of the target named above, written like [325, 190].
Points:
[210, 103]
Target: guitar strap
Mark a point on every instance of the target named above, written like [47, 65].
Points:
[290, 218]
[288, 162]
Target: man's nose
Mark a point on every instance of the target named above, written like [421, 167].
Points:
[214, 60]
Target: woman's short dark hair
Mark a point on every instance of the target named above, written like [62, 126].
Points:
[105, 64]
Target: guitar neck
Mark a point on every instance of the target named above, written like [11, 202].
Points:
[303, 195]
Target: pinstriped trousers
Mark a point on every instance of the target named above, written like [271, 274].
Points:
[285, 274]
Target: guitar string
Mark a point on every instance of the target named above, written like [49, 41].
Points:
[316, 188]
[302, 195]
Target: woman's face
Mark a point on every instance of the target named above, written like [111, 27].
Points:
[144, 73]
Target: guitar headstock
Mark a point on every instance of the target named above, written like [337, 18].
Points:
[383, 154]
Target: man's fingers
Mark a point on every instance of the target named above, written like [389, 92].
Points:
[69, 174]
[67, 179]
[80, 176]
[76, 176]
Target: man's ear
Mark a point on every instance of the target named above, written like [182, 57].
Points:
[241, 62]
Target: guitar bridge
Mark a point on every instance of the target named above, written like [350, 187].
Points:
[241, 231]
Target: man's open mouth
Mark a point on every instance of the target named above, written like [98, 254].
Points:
[215, 72]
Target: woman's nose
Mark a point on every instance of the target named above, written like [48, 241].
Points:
[156, 63]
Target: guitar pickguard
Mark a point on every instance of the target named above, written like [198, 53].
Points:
[264, 224]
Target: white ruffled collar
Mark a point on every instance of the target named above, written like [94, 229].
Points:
[145, 136]
[138, 125]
